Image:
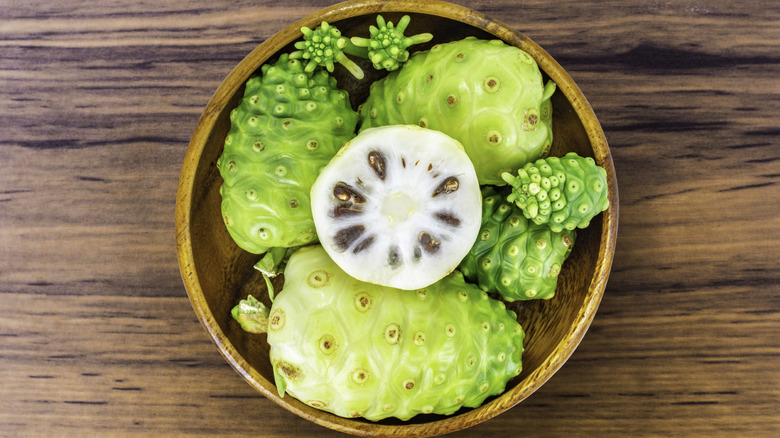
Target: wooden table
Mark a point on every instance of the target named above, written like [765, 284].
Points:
[97, 104]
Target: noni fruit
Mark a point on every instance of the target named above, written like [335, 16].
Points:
[361, 350]
[514, 256]
[398, 206]
[288, 125]
[486, 94]
[564, 193]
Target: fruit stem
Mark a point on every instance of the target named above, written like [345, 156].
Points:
[252, 315]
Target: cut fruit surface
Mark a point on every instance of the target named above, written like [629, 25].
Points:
[398, 206]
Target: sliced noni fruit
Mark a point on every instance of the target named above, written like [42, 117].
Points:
[398, 206]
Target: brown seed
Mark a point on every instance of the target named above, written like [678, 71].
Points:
[346, 210]
[377, 162]
[363, 244]
[346, 236]
[430, 245]
[346, 193]
[449, 185]
[447, 218]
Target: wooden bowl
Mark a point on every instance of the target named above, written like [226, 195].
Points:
[217, 274]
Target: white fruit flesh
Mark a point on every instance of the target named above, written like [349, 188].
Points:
[398, 206]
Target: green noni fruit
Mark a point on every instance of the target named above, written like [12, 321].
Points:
[486, 94]
[564, 193]
[361, 350]
[514, 256]
[289, 124]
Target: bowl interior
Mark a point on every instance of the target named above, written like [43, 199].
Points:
[218, 274]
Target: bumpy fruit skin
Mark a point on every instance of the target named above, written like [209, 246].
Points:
[484, 93]
[324, 47]
[387, 47]
[361, 350]
[564, 193]
[289, 124]
[513, 256]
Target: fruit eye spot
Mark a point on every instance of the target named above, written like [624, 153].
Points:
[409, 384]
[452, 100]
[276, 320]
[484, 387]
[392, 333]
[318, 278]
[449, 330]
[327, 344]
[317, 404]
[363, 301]
[294, 203]
[492, 84]
[530, 293]
[312, 145]
[258, 146]
[471, 361]
[422, 294]
[419, 339]
[360, 376]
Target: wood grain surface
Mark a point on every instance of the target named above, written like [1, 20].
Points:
[98, 101]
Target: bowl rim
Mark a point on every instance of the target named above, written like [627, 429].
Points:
[238, 76]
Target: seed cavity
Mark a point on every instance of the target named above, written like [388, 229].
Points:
[363, 301]
[345, 237]
[394, 257]
[392, 333]
[449, 185]
[327, 344]
[318, 278]
[377, 162]
[429, 244]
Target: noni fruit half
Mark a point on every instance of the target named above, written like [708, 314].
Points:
[564, 193]
[514, 256]
[361, 350]
[486, 94]
[288, 125]
[398, 206]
